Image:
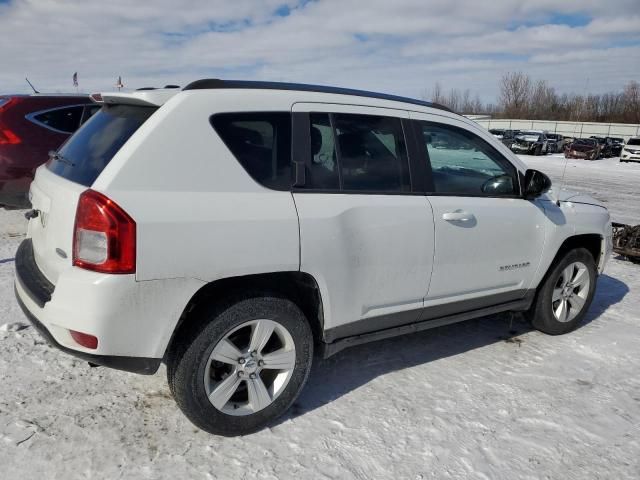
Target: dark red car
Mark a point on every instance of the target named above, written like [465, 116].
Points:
[31, 126]
[586, 148]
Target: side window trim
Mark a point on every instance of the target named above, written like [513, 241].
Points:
[32, 117]
[336, 145]
[501, 159]
[300, 148]
[419, 164]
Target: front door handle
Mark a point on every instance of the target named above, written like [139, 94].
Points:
[458, 216]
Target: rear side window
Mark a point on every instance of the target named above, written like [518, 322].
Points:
[92, 147]
[372, 153]
[261, 142]
[352, 152]
[65, 120]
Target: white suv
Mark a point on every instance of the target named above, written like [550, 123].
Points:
[232, 228]
[631, 151]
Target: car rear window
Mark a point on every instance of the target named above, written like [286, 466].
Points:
[83, 157]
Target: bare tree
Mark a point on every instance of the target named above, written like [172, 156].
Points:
[520, 97]
[515, 90]
[631, 101]
[437, 96]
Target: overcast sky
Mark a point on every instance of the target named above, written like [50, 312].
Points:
[395, 46]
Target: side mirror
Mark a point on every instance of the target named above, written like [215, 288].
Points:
[498, 185]
[535, 184]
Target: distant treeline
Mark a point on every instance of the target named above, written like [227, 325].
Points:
[522, 97]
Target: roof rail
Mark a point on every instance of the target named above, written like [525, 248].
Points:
[215, 83]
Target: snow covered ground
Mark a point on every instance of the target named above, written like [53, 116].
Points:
[485, 399]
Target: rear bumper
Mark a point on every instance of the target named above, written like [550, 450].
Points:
[144, 366]
[133, 321]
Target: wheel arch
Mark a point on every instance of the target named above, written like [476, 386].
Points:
[299, 287]
[593, 242]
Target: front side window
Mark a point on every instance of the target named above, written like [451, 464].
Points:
[464, 164]
[261, 142]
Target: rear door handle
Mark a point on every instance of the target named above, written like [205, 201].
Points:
[458, 216]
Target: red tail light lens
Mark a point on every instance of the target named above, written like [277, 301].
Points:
[7, 137]
[104, 237]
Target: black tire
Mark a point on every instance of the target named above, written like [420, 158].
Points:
[541, 312]
[538, 150]
[187, 360]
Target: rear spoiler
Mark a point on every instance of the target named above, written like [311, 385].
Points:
[148, 98]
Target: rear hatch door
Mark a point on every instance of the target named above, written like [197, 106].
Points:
[73, 169]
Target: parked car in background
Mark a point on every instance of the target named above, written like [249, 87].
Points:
[616, 145]
[566, 142]
[31, 126]
[555, 142]
[234, 228]
[606, 146]
[532, 142]
[497, 132]
[631, 151]
[587, 148]
[508, 137]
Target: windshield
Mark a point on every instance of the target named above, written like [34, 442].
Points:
[83, 157]
[634, 141]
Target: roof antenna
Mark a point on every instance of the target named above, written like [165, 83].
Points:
[578, 112]
[31, 85]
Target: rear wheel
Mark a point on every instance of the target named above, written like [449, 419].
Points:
[566, 294]
[244, 367]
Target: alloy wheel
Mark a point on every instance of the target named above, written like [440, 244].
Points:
[570, 292]
[250, 367]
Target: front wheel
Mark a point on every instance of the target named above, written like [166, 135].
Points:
[565, 294]
[244, 367]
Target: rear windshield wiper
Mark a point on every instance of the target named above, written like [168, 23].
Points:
[53, 155]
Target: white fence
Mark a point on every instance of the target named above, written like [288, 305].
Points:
[569, 129]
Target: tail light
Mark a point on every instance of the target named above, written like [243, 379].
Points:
[104, 236]
[7, 136]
